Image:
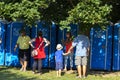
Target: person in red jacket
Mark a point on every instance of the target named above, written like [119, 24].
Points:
[68, 44]
[39, 41]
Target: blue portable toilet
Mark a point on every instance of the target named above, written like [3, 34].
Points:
[11, 57]
[2, 42]
[101, 48]
[116, 48]
[53, 43]
[44, 27]
[60, 36]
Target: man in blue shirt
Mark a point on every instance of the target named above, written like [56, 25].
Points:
[82, 44]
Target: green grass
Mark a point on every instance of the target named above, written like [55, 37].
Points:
[14, 74]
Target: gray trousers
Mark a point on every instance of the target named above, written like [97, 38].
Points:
[37, 62]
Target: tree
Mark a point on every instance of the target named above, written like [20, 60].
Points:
[26, 10]
[114, 15]
[88, 13]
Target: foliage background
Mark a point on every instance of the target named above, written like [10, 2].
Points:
[85, 13]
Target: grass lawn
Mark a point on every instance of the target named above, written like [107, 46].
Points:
[14, 74]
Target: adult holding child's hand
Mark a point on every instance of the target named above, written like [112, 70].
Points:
[82, 44]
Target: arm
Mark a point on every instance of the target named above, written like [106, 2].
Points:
[88, 49]
[47, 42]
[55, 57]
[15, 47]
[69, 51]
[74, 43]
[17, 44]
[30, 42]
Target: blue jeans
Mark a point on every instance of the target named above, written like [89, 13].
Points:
[70, 57]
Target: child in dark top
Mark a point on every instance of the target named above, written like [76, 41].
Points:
[59, 59]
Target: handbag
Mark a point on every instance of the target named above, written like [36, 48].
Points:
[35, 51]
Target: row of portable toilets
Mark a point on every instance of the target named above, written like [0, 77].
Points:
[9, 34]
[104, 49]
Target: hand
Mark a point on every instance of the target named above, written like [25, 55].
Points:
[69, 52]
[14, 49]
[65, 54]
[88, 52]
[32, 46]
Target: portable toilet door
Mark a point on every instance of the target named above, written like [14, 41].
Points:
[116, 48]
[53, 42]
[101, 48]
[11, 57]
[2, 43]
[44, 27]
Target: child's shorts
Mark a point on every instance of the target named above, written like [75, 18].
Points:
[59, 65]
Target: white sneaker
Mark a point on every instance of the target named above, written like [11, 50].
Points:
[78, 77]
[83, 76]
[21, 69]
[33, 72]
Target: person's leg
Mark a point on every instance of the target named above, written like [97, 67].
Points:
[34, 65]
[25, 65]
[84, 66]
[26, 57]
[22, 64]
[65, 63]
[79, 71]
[84, 70]
[71, 61]
[78, 64]
[40, 66]
[59, 72]
[20, 56]
[57, 68]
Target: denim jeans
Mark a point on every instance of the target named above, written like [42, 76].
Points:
[70, 57]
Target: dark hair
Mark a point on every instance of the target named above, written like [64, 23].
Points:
[22, 31]
[69, 33]
[40, 34]
[70, 38]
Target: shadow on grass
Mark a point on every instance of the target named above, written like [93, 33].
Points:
[7, 73]
[104, 73]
